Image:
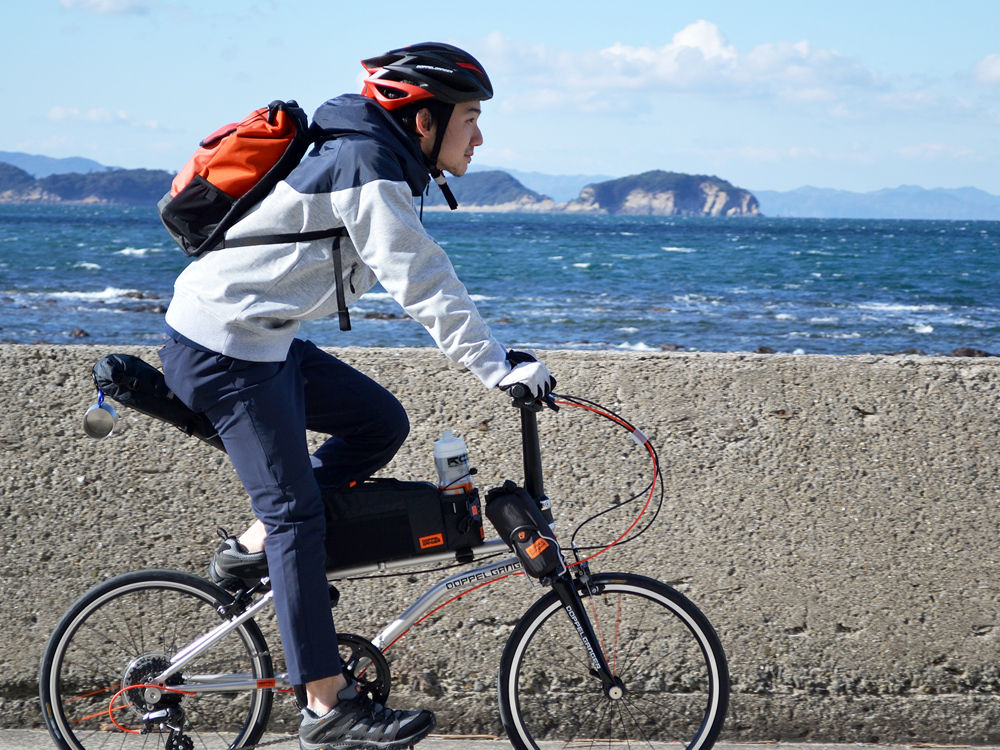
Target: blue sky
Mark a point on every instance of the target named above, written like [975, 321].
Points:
[769, 95]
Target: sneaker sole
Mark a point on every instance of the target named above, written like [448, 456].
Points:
[368, 744]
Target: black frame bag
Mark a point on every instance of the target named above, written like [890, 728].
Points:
[386, 519]
[519, 522]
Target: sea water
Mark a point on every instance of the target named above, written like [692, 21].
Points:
[104, 275]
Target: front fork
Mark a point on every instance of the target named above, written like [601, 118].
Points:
[566, 589]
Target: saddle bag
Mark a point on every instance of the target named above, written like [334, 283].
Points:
[380, 520]
[519, 522]
[133, 383]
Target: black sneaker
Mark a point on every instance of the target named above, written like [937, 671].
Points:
[357, 722]
[234, 567]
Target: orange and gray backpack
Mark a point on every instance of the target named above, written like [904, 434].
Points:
[232, 170]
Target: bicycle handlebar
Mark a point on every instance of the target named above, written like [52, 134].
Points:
[523, 399]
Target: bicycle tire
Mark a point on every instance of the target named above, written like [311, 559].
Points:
[663, 648]
[124, 631]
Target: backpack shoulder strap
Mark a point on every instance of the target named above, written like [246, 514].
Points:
[320, 234]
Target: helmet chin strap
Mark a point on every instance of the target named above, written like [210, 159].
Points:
[431, 161]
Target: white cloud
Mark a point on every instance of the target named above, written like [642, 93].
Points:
[698, 60]
[935, 150]
[987, 70]
[97, 115]
[107, 7]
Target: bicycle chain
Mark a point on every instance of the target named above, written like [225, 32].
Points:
[289, 738]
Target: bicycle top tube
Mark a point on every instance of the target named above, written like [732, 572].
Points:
[489, 547]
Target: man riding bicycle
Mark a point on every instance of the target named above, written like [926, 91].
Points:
[231, 350]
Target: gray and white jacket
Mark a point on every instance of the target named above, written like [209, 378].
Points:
[247, 302]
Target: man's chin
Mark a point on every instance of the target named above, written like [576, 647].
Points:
[457, 171]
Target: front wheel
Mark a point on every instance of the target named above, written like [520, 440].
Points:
[97, 668]
[656, 642]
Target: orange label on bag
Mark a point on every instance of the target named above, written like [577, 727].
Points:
[434, 540]
[537, 548]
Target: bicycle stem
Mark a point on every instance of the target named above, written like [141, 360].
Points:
[532, 454]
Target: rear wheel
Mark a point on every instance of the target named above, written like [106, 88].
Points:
[656, 642]
[95, 684]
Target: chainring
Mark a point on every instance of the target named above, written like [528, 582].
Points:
[366, 664]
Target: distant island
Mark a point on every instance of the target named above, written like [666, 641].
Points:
[652, 193]
[655, 193]
[27, 178]
[134, 187]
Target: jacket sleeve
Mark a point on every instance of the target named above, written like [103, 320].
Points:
[412, 267]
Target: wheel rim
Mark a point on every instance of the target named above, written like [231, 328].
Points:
[118, 640]
[663, 659]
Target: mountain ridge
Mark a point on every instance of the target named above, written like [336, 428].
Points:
[28, 178]
[903, 202]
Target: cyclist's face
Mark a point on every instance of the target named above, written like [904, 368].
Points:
[460, 139]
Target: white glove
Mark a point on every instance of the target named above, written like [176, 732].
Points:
[535, 376]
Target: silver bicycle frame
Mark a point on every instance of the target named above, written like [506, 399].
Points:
[451, 587]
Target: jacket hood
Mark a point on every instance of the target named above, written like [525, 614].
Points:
[353, 114]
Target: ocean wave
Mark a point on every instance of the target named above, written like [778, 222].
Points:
[87, 266]
[922, 328]
[897, 307]
[138, 252]
[679, 249]
[109, 293]
[637, 347]
[821, 335]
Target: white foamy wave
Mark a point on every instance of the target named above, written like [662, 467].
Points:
[480, 297]
[784, 316]
[922, 328]
[581, 265]
[139, 252]
[678, 249]
[88, 266]
[893, 307]
[638, 347]
[629, 330]
[110, 293]
[824, 320]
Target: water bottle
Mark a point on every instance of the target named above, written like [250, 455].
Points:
[452, 461]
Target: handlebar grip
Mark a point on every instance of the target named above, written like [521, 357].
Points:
[523, 398]
[519, 391]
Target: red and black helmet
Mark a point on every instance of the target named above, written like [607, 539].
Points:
[430, 70]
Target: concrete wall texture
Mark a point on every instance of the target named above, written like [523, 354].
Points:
[836, 518]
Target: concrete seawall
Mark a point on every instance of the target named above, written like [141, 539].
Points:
[836, 518]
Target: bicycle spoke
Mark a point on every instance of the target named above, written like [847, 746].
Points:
[123, 634]
[660, 659]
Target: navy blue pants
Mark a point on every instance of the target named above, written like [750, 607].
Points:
[262, 411]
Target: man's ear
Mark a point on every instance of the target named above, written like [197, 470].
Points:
[424, 122]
